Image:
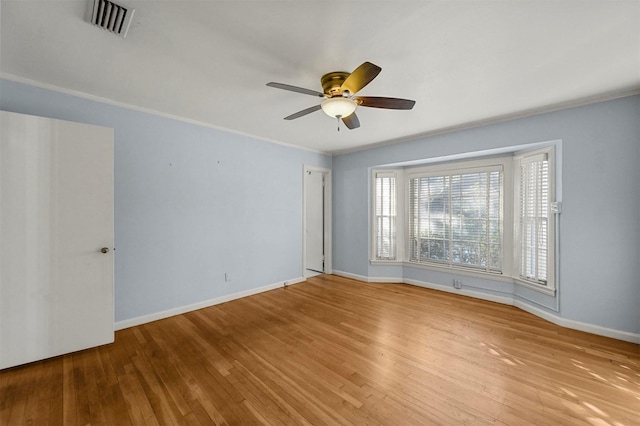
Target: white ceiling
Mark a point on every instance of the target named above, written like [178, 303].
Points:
[463, 62]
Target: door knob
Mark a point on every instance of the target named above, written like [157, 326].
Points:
[105, 250]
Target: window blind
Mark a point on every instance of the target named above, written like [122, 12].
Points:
[456, 219]
[534, 218]
[385, 216]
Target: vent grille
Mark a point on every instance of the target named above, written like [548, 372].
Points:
[111, 17]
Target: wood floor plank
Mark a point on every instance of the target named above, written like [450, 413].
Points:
[336, 351]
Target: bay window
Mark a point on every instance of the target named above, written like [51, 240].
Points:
[487, 216]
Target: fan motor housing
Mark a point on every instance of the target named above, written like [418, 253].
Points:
[332, 83]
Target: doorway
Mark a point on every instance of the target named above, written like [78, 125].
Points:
[316, 221]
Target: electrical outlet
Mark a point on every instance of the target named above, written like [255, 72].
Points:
[227, 277]
[457, 283]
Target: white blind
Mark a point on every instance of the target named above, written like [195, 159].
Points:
[385, 216]
[534, 218]
[456, 219]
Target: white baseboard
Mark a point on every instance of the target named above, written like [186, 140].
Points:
[350, 275]
[120, 325]
[506, 300]
[577, 325]
[392, 280]
[368, 279]
[509, 300]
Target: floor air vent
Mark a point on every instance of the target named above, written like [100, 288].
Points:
[111, 17]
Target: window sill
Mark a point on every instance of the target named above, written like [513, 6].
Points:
[539, 288]
[376, 262]
[496, 276]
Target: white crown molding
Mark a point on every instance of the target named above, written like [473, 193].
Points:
[83, 95]
[603, 97]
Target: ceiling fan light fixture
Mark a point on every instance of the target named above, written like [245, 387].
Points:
[339, 107]
[339, 89]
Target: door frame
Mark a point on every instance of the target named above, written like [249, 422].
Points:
[328, 268]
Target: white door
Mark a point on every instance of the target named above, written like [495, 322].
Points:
[314, 220]
[56, 216]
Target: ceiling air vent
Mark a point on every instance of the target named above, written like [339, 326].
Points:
[111, 17]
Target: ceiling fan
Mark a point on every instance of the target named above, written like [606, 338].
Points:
[339, 92]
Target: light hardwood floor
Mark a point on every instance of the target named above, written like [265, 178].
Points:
[336, 351]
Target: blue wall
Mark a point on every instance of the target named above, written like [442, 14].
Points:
[599, 253]
[191, 204]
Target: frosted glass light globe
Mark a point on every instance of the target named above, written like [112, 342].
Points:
[339, 107]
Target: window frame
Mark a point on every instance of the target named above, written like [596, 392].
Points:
[502, 163]
[400, 219]
[519, 157]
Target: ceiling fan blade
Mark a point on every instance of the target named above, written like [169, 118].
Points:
[303, 112]
[296, 89]
[361, 77]
[387, 103]
[351, 121]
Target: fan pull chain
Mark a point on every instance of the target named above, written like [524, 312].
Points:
[338, 118]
